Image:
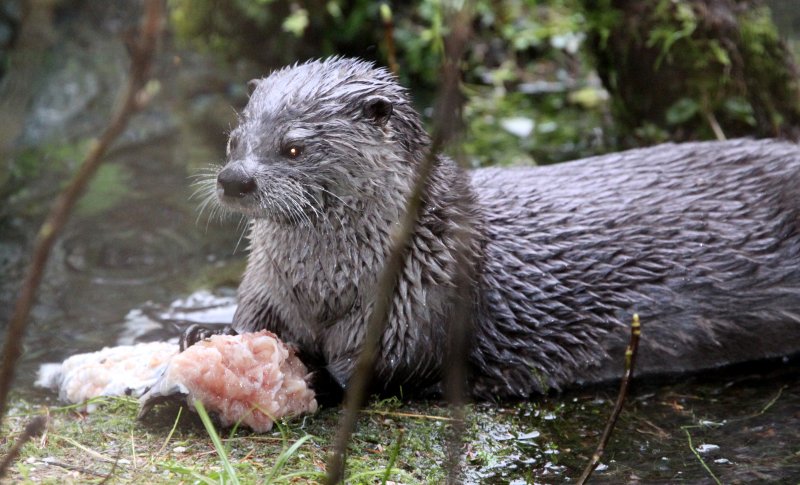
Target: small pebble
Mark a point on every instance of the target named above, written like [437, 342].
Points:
[529, 436]
[707, 448]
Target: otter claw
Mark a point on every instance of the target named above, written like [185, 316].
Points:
[196, 332]
[161, 391]
[340, 372]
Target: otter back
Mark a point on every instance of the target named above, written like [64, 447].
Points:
[701, 239]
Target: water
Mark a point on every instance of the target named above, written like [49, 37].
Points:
[116, 272]
[743, 423]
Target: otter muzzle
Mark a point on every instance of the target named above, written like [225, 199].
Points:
[235, 182]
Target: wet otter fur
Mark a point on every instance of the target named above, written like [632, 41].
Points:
[701, 239]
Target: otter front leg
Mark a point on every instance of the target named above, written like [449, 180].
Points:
[341, 370]
[197, 332]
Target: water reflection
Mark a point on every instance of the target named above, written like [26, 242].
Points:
[156, 321]
[744, 424]
[125, 264]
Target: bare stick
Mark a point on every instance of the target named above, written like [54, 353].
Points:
[362, 375]
[459, 331]
[388, 35]
[630, 361]
[455, 382]
[35, 427]
[132, 100]
[75, 468]
[714, 124]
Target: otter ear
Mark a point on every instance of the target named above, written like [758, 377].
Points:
[251, 86]
[378, 109]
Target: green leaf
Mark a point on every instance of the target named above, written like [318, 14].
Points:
[682, 111]
[740, 109]
[296, 22]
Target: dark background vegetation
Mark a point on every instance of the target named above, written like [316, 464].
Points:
[548, 81]
[545, 81]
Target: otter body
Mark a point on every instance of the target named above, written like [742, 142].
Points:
[701, 239]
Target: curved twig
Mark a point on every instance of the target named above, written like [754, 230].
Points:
[444, 128]
[630, 361]
[35, 427]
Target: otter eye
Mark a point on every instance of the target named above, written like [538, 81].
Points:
[293, 151]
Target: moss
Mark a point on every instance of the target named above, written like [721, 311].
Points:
[696, 70]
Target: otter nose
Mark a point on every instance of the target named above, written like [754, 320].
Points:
[235, 183]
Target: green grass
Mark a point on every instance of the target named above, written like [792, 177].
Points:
[175, 446]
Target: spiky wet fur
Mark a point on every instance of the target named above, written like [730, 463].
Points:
[701, 239]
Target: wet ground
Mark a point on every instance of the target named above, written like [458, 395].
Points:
[739, 426]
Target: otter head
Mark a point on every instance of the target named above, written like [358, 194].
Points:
[319, 135]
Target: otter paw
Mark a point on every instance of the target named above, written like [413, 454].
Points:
[196, 332]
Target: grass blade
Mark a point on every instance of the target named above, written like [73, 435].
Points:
[223, 455]
[285, 455]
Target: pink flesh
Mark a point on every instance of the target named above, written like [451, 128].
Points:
[253, 378]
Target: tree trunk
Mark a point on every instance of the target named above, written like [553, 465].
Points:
[694, 69]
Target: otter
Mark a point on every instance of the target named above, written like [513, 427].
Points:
[702, 240]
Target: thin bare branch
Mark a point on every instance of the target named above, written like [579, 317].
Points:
[132, 100]
[445, 126]
[35, 427]
[630, 361]
[459, 330]
[388, 36]
[406, 415]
